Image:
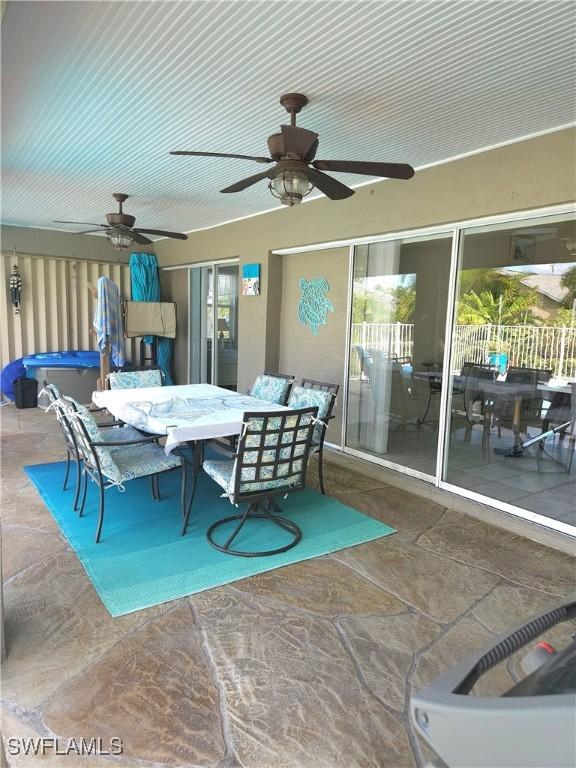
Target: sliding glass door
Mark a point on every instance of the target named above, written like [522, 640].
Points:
[214, 325]
[490, 411]
[399, 300]
[513, 361]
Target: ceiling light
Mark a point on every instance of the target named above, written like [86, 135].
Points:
[290, 187]
[121, 241]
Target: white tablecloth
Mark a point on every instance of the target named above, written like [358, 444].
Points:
[182, 413]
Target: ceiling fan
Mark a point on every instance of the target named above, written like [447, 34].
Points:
[120, 231]
[296, 173]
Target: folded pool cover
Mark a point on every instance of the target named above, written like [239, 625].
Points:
[71, 359]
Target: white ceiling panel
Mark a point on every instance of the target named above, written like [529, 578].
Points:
[95, 94]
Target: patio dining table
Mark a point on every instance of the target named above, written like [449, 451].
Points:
[499, 392]
[186, 415]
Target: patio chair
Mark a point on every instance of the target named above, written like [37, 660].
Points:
[272, 458]
[147, 377]
[532, 402]
[321, 394]
[272, 387]
[54, 395]
[111, 463]
[563, 409]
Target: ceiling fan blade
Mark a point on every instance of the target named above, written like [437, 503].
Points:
[133, 234]
[387, 170]
[333, 188]
[177, 235]
[224, 154]
[87, 231]
[245, 183]
[299, 141]
[140, 238]
[83, 223]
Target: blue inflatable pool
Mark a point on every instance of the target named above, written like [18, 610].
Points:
[78, 359]
[25, 366]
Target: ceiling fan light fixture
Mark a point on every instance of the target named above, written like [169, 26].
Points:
[290, 187]
[121, 241]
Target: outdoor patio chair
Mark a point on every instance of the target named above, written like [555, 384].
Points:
[272, 387]
[272, 458]
[322, 395]
[111, 463]
[563, 409]
[532, 402]
[148, 377]
[72, 452]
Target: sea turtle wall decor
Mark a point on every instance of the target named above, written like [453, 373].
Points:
[314, 304]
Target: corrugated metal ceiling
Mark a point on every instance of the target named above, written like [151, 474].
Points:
[96, 93]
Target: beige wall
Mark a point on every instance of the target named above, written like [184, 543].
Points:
[302, 353]
[531, 174]
[61, 244]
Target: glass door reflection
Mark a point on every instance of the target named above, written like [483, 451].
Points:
[399, 300]
[226, 330]
[514, 367]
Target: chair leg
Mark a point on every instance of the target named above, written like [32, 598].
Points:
[243, 519]
[571, 454]
[152, 486]
[186, 512]
[67, 470]
[85, 488]
[252, 512]
[100, 512]
[321, 469]
[78, 483]
[157, 482]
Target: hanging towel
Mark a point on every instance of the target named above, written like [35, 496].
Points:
[108, 319]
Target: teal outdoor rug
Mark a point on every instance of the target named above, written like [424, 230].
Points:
[142, 560]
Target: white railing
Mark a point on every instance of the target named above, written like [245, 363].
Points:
[531, 346]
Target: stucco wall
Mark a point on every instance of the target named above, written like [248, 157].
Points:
[302, 353]
[531, 174]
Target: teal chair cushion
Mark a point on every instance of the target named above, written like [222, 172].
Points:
[135, 379]
[306, 397]
[272, 389]
[122, 463]
[223, 473]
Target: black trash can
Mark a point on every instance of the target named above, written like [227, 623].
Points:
[26, 392]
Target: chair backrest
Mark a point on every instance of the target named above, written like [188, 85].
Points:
[148, 377]
[365, 358]
[97, 459]
[314, 397]
[273, 452]
[52, 392]
[323, 385]
[519, 375]
[54, 395]
[272, 387]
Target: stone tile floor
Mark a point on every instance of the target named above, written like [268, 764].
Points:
[308, 666]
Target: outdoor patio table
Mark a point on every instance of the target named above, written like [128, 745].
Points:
[187, 415]
[502, 392]
[184, 414]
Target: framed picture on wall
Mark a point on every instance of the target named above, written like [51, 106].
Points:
[251, 280]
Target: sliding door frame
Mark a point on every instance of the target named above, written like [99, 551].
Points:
[214, 266]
